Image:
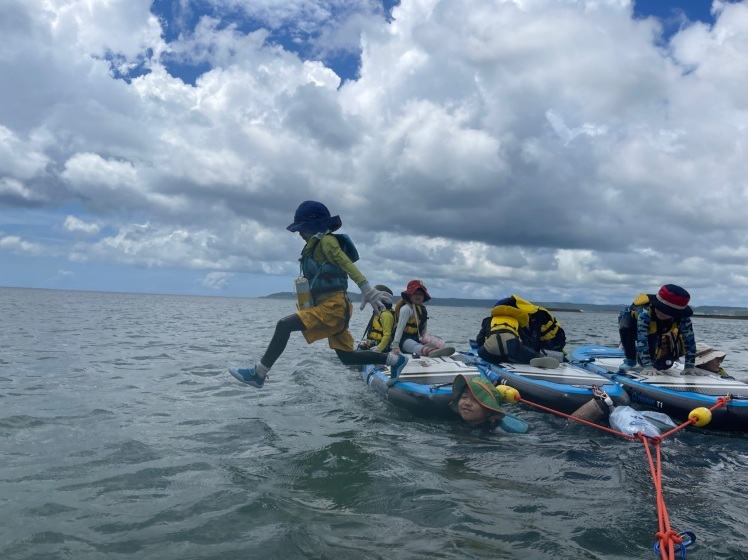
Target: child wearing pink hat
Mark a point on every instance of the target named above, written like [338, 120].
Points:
[412, 334]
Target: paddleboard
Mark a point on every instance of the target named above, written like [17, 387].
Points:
[675, 395]
[425, 387]
[564, 389]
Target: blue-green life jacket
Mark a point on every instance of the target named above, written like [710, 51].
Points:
[327, 277]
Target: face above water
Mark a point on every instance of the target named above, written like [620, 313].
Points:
[470, 409]
[417, 297]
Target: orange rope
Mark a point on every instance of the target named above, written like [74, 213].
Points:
[592, 424]
[666, 536]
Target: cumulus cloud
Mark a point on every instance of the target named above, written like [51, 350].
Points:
[216, 280]
[557, 146]
[15, 193]
[75, 225]
[15, 244]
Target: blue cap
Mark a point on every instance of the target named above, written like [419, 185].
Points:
[313, 217]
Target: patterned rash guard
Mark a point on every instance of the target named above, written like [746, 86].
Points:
[642, 337]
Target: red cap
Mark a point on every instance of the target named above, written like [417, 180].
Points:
[414, 285]
[673, 300]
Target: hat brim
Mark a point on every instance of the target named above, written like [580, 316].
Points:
[459, 385]
[708, 356]
[671, 311]
[406, 294]
[383, 288]
[333, 223]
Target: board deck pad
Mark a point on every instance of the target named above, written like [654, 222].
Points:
[713, 385]
[566, 374]
[436, 371]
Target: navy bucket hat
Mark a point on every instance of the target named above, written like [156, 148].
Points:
[314, 217]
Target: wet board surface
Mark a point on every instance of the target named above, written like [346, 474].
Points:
[435, 371]
[565, 374]
[714, 384]
[564, 388]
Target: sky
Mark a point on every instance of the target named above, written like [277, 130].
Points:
[564, 150]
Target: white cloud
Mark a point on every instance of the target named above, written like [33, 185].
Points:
[550, 145]
[216, 280]
[14, 192]
[248, 248]
[15, 244]
[75, 225]
[98, 28]
[22, 160]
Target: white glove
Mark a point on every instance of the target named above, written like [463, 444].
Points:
[373, 297]
[395, 349]
[649, 372]
[375, 349]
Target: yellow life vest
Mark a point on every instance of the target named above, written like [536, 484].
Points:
[643, 300]
[508, 318]
[549, 329]
[416, 322]
[376, 332]
[670, 341]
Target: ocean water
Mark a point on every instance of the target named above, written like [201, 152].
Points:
[123, 437]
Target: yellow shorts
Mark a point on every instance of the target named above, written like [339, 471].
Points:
[328, 320]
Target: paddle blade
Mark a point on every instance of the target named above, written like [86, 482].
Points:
[513, 425]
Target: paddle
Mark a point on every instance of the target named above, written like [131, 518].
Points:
[513, 425]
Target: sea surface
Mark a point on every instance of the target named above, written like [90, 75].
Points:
[122, 436]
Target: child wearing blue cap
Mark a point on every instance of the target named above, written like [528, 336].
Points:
[326, 263]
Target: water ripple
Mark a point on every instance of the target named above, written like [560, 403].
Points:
[123, 436]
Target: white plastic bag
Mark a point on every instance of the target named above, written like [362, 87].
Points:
[659, 419]
[629, 421]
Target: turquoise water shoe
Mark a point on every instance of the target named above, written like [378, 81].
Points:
[395, 371]
[248, 376]
[629, 365]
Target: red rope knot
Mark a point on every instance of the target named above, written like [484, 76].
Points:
[722, 401]
[669, 535]
[655, 440]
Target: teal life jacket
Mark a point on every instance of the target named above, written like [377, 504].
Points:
[326, 277]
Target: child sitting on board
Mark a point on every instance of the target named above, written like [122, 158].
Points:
[499, 338]
[412, 334]
[381, 328]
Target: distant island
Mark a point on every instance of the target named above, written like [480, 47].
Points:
[705, 311]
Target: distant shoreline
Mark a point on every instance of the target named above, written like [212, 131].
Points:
[709, 312]
[705, 311]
